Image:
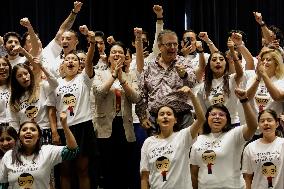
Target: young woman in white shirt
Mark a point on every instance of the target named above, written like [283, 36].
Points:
[73, 96]
[165, 157]
[29, 164]
[263, 158]
[216, 155]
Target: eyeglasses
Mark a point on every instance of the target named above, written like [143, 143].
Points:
[219, 114]
[169, 45]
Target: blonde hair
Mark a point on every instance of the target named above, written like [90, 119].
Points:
[277, 57]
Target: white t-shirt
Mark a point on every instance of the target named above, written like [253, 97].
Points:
[217, 96]
[51, 54]
[74, 98]
[36, 110]
[218, 156]
[4, 101]
[171, 155]
[194, 59]
[262, 99]
[265, 162]
[19, 59]
[32, 173]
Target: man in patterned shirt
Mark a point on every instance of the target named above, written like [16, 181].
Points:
[161, 80]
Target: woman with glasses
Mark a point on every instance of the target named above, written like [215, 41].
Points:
[216, 155]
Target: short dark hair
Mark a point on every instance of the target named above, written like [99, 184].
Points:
[13, 34]
[228, 126]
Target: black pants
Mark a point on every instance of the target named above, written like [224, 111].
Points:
[119, 165]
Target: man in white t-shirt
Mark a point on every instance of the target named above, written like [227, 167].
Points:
[11, 42]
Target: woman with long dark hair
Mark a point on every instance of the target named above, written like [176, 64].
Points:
[29, 164]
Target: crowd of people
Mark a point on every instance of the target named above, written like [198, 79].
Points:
[134, 117]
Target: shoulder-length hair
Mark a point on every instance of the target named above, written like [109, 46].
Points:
[209, 76]
[17, 91]
[228, 126]
[277, 57]
[19, 149]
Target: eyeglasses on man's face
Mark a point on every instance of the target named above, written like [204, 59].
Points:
[169, 45]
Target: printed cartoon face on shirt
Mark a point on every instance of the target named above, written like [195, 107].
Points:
[269, 171]
[209, 157]
[70, 101]
[218, 98]
[31, 112]
[261, 101]
[26, 181]
[262, 97]
[162, 165]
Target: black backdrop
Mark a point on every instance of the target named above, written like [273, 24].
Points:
[118, 17]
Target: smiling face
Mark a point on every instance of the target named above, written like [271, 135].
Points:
[29, 135]
[69, 41]
[217, 65]
[71, 65]
[217, 120]
[4, 70]
[23, 77]
[116, 54]
[7, 142]
[166, 118]
[270, 64]
[267, 124]
[169, 47]
[82, 56]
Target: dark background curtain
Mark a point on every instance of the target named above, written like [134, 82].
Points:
[119, 17]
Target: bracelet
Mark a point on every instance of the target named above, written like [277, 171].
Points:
[262, 24]
[160, 18]
[244, 100]
[73, 12]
